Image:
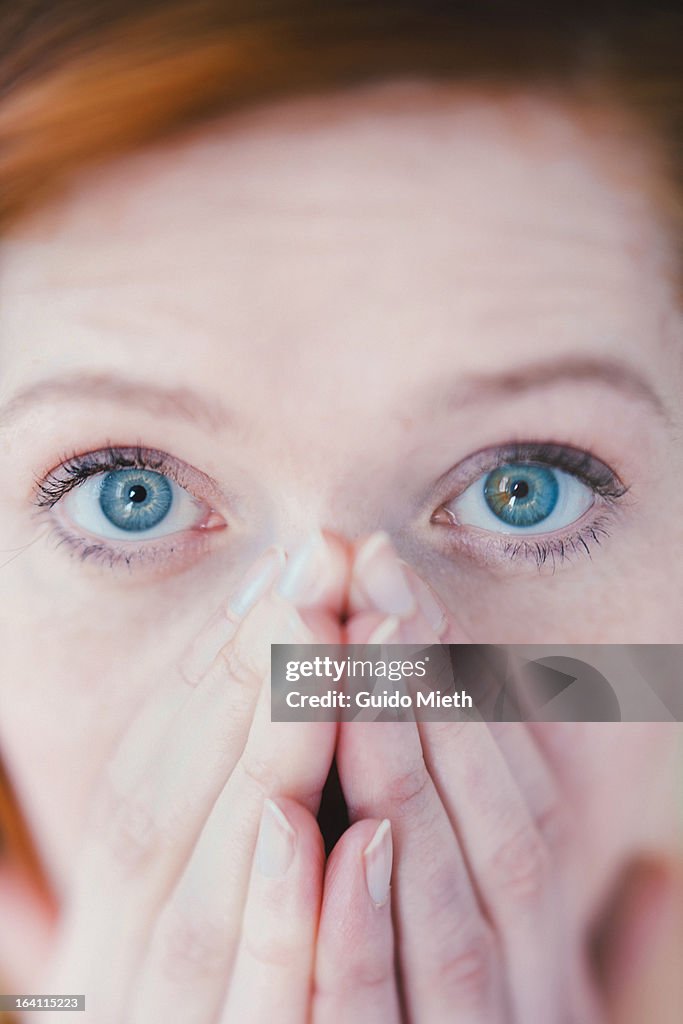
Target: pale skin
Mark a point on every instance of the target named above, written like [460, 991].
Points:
[322, 312]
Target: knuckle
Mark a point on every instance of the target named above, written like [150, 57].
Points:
[407, 790]
[520, 866]
[370, 973]
[240, 671]
[467, 974]
[553, 826]
[260, 772]
[193, 945]
[366, 966]
[190, 674]
[271, 951]
[366, 974]
[132, 835]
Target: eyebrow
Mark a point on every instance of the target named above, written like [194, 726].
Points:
[169, 402]
[209, 412]
[618, 376]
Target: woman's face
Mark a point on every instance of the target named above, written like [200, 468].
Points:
[345, 313]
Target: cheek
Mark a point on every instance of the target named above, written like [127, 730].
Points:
[629, 595]
[630, 774]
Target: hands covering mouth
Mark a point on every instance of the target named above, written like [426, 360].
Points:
[202, 892]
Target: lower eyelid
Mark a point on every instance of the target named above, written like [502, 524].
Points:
[164, 556]
[507, 551]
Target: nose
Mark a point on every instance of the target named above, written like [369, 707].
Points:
[345, 513]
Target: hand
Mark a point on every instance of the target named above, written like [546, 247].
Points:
[159, 923]
[480, 834]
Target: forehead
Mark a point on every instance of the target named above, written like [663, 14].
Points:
[340, 224]
[399, 152]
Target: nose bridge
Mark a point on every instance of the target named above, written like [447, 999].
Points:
[320, 488]
[306, 508]
[325, 458]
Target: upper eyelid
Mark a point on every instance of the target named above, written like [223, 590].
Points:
[50, 488]
[576, 461]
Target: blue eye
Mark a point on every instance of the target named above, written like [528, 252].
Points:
[522, 497]
[132, 504]
[135, 499]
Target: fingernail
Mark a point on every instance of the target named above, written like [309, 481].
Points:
[276, 842]
[429, 606]
[388, 632]
[303, 581]
[382, 578]
[378, 858]
[256, 581]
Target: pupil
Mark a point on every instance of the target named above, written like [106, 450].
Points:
[137, 494]
[519, 489]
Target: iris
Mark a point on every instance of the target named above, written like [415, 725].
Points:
[135, 499]
[521, 495]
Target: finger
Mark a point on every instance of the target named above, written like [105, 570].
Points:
[537, 784]
[563, 745]
[447, 953]
[272, 978]
[142, 834]
[220, 629]
[355, 976]
[552, 814]
[318, 574]
[508, 858]
[317, 581]
[196, 936]
[195, 940]
[382, 583]
[373, 626]
[151, 723]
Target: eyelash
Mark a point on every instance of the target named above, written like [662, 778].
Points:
[577, 462]
[76, 468]
[559, 549]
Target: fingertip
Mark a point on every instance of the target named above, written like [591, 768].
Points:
[303, 822]
[257, 580]
[365, 849]
[378, 580]
[289, 859]
[355, 961]
[430, 606]
[378, 858]
[317, 573]
[353, 842]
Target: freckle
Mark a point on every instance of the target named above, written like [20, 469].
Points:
[407, 422]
